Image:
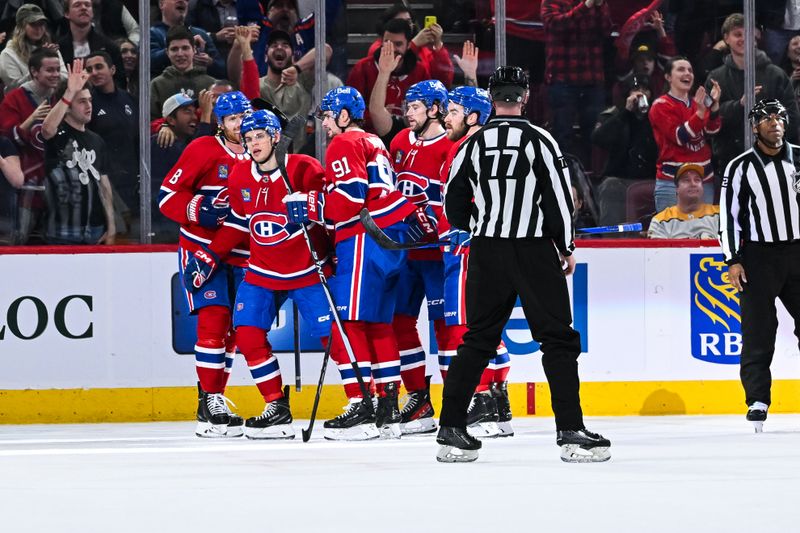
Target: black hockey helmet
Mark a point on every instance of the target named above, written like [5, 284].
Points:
[767, 107]
[508, 84]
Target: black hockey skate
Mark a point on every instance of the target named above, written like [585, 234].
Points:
[482, 416]
[235, 422]
[387, 413]
[274, 423]
[417, 414]
[212, 415]
[456, 446]
[500, 395]
[356, 423]
[583, 446]
[757, 414]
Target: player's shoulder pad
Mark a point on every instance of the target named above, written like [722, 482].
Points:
[304, 160]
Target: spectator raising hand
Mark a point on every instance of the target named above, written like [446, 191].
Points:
[77, 78]
[468, 63]
[382, 120]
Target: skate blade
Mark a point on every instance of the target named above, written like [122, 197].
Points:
[283, 431]
[483, 430]
[418, 426]
[505, 429]
[390, 431]
[451, 454]
[235, 431]
[207, 430]
[355, 433]
[758, 426]
[573, 453]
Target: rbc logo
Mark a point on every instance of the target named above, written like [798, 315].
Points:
[269, 229]
[716, 328]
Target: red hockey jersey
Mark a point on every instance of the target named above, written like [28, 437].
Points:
[203, 168]
[444, 224]
[681, 136]
[418, 164]
[279, 256]
[359, 174]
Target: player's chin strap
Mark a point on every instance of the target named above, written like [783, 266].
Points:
[768, 144]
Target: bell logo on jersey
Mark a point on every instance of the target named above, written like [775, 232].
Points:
[414, 187]
[716, 324]
[269, 229]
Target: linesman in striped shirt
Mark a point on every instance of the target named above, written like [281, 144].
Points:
[508, 191]
[760, 237]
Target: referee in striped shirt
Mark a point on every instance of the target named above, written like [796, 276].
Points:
[760, 237]
[508, 197]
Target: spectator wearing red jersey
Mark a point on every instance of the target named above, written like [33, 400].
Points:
[427, 43]
[574, 67]
[681, 127]
[21, 115]
[409, 71]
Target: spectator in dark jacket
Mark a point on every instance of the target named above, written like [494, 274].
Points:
[82, 38]
[626, 134]
[218, 18]
[771, 82]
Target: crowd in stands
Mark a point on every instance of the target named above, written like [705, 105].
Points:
[647, 97]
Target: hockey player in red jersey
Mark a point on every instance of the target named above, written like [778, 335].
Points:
[490, 411]
[195, 194]
[359, 175]
[418, 153]
[280, 264]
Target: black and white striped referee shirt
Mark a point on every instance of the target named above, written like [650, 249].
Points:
[519, 181]
[760, 200]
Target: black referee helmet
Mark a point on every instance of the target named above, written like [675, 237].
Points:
[508, 84]
[765, 108]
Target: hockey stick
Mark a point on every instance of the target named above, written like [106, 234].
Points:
[281, 150]
[307, 432]
[296, 319]
[621, 228]
[386, 242]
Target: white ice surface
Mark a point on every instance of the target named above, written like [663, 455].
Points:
[671, 474]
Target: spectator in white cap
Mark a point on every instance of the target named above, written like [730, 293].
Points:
[180, 116]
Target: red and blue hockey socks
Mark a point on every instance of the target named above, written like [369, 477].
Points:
[209, 351]
[412, 356]
[261, 361]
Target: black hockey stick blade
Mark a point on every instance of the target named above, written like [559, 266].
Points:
[386, 242]
[288, 133]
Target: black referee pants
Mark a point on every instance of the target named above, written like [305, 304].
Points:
[772, 271]
[498, 271]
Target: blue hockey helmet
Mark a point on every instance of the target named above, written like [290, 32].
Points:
[428, 92]
[474, 100]
[261, 120]
[231, 103]
[343, 98]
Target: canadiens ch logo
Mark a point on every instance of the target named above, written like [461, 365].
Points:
[269, 229]
[222, 172]
[413, 186]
